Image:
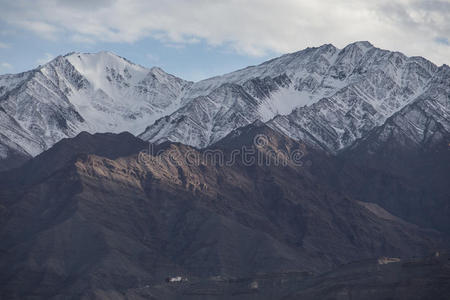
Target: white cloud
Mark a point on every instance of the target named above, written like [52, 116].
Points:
[4, 45]
[42, 28]
[5, 67]
[45, 59]
[252, 27]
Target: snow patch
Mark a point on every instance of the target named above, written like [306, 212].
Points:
[283, 101]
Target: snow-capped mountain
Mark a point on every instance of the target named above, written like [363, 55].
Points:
[425, 122]
[380, 83]
[78, 92]
[326, 96]
[216, 106]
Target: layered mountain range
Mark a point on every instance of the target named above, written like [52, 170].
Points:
[122, 182]
[96, 217]
[325, 96]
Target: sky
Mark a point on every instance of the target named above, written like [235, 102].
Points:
[198, 39]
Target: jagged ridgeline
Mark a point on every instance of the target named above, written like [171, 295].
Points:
[326, 96]
[108, 190]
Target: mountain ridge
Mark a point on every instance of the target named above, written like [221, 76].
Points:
[82, 92]
[130, 219]
[375, 84]
[280, 179]
[325, 96]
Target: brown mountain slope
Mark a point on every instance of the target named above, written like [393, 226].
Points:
[110, 219]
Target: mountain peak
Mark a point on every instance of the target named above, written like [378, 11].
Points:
[159, 72]
[102, 53]
[359, 46]
[256, 133]
[109, 145]
[94, 92]
[333, 97]
[362, 44]
[82, 61]
[328, 47]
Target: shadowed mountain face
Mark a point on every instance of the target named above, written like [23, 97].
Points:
[404, 164]
[410, 182]
[97, 217]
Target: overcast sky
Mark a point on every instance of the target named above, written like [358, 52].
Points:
[201, 38]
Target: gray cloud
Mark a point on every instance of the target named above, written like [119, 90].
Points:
[433, 5]
[253, 27]
[442, 40]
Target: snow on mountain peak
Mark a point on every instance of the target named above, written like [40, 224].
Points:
[325, 95]
[328, 96]
[96, 66]
[95, 92]
[135, 94]
[362, 45]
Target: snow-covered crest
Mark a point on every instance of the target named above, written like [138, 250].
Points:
[98, 92]
[327, 96]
